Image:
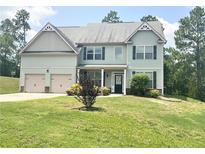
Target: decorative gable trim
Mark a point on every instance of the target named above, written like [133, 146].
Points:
[50, 27]
[145, 27]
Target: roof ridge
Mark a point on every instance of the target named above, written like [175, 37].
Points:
[69, 26]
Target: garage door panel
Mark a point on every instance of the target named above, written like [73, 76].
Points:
[34, 82]
[60, 82]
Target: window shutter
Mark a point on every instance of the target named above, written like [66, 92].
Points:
[84, 53]
[103, 53]
[154, 79]
[155, 52]
[133, 52]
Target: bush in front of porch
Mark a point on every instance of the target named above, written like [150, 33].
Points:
[139, 83]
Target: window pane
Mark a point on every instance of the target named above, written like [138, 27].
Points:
[91, 75]
[89, 53]
[148, 52]
[98, 56]
[97, 75]
[98, 53]
[148, 55]
[149, 74]
[90, 57]
[140, 49]
[140, 52]
[149, 85]
[98, 50]
[140, 56]
[118, 52]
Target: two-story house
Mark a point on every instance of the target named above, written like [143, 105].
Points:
[109, 52]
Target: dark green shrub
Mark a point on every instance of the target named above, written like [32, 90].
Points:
[153, 93]
[105, 91]
[138, 84]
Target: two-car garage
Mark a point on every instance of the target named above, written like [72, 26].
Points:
[58, 83]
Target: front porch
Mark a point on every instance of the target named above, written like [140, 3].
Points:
[111, 76]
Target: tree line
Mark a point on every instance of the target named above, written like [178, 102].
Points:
[184, 66]
[12, 40]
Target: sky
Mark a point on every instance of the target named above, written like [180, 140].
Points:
[81, 15]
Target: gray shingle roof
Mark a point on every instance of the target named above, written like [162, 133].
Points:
[106, 32]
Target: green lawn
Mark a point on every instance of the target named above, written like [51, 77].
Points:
[121, 122]
[8, 85]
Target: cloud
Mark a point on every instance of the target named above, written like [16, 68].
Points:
[37, 15]
[30, 34]
[169, 29]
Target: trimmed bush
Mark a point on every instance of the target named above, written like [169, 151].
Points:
[105, 91]
[74, 89]
[153, 93]
[139, 83]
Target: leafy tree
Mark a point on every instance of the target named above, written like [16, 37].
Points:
[7, 47]
[190, 39]
[148, 18]
[112, 17]
[178, 73]
[12, 39]
[139, 83]
[21, 27]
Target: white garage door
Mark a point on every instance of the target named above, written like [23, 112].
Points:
[60, 82]
[34, 82]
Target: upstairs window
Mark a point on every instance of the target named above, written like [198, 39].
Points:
[140, 52]
[94, 53]
[148, 52]
[118, 53]
[145, 52]
[89, 53]
[98, 53]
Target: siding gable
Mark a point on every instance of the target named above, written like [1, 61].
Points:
[48, 41]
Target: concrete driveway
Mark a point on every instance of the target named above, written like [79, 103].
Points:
[26, 96]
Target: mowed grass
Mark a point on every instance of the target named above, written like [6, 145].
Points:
[8, 85]
[125, 121]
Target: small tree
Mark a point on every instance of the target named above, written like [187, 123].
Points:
[112, 17]
[148, 18]
[88, 92]
[139, 83]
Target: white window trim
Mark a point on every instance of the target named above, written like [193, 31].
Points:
[122, 51]
[144, 52]
[93, 47]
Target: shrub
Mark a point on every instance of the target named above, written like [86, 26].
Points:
[139, 83]
[105, 91]
[153, 93]
[88, 93]
[74, 89]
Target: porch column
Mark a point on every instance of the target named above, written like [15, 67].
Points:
[78, 75]
[102, 77]
[125, 81]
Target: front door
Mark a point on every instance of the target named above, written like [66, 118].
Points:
[118, 83]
